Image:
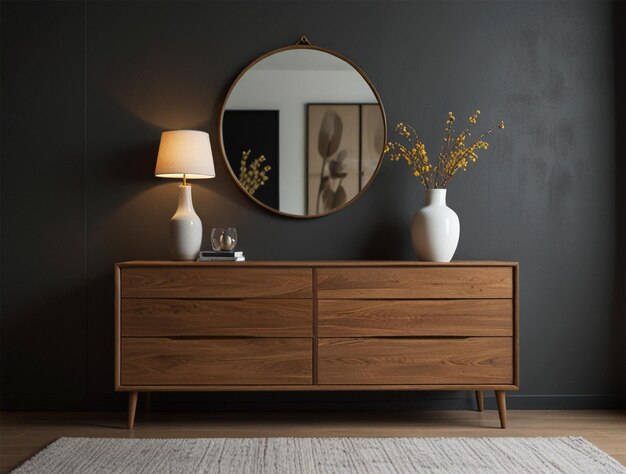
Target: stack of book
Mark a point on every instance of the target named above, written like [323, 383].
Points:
[220, 256]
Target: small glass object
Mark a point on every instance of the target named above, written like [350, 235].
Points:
[223, 238]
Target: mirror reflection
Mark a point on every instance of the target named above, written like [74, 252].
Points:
[303, 132]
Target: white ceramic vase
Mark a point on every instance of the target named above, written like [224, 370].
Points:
[435, 229]
[185, 228]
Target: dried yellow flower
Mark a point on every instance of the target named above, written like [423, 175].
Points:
[455, 154]
[251, 176]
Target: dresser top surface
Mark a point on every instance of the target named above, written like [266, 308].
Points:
[316, 263]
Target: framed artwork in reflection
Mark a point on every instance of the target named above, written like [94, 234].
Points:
[333, 155]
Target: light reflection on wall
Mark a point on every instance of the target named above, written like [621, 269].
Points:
[160, 89]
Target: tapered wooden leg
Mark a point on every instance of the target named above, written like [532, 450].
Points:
[132, 408]
[501, 398]
[146, 406]
[479, 400]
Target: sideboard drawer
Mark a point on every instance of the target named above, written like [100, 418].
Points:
[419, 282]
[216, 282]
[162, 361]
[474, 360]
[362, 318]
[248, 317]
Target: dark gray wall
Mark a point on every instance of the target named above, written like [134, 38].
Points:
[88, 87]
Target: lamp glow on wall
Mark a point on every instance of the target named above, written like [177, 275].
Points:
[185, 154]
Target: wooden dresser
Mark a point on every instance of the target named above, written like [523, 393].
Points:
[182, 326]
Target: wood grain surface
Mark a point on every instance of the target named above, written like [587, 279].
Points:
[315, 388]
[187, 326]
[250, 317]
[221, 282]
[358, 318]
[162, 361]
[315, 263]
[473, 360]
[419, 282]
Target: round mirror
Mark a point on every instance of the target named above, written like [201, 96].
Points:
[303, 131]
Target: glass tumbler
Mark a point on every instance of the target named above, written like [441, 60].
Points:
[223, 238]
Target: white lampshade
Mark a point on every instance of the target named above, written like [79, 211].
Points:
[185, 152]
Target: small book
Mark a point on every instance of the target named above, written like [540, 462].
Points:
[220, 253]
[221, 259]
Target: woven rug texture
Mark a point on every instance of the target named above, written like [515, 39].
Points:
[322, 455]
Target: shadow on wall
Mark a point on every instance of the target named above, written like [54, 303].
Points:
[345, 402]
[383, 241]
[151, 208]
[58, 338]
[134, 164]
[618, 322]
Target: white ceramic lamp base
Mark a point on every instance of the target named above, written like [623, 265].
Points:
[185, 228]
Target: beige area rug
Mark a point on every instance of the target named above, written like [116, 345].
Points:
[322, 455]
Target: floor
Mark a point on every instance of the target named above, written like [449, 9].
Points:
[22, 434]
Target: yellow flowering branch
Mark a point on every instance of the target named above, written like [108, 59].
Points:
[415, 157]
[454, 154]
[253, 175]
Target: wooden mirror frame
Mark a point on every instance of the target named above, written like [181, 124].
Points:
[303, 43]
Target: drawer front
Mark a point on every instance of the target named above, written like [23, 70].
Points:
[423, 282]
[254, 317]
[216, 282]
[160, 361]
[362, 318]
[415, 361]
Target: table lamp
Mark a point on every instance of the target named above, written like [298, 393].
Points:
[185, 154]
